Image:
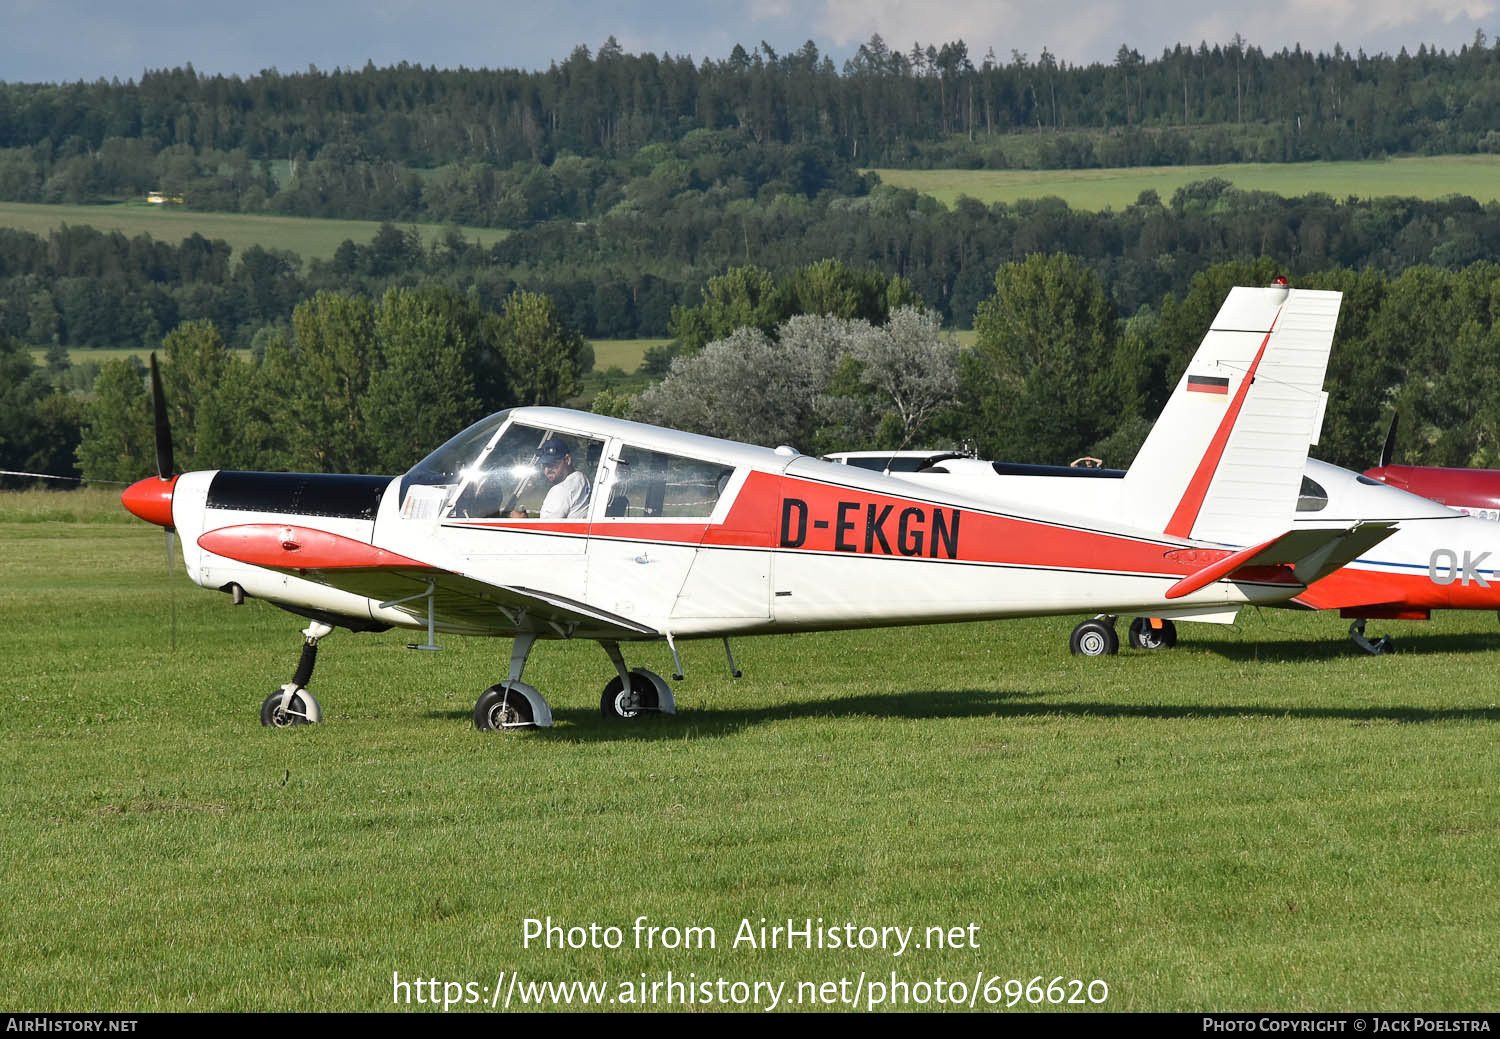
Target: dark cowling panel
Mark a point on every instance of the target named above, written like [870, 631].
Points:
[303, 494]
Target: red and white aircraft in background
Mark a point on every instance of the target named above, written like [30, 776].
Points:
[1472, 491]
[688, 536]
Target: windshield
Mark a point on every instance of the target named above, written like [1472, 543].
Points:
[522, 472]
[427, 485]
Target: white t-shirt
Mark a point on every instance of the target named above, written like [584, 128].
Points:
[568, 498]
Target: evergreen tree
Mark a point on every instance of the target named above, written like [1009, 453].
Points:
[1040, 373]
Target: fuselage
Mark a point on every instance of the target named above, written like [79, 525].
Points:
[690, 536]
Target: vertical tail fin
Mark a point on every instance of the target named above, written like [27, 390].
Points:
[1224, 462]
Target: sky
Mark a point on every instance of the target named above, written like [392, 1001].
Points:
[69, 40]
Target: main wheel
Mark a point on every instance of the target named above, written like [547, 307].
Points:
[1094, 638]
[1144, 636]
[300, 709]
[618, 704]
[501, 707]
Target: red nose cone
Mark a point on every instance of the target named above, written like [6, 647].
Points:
[151, 500]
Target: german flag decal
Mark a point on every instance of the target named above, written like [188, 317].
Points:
[1208, 384]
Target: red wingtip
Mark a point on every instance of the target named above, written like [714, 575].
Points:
[151, 500]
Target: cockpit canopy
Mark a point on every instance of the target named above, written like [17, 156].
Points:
[495, 469]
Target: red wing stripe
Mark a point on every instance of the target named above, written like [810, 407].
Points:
[1181, 523]
[285, 547]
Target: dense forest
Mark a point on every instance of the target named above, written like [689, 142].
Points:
[1056, 372]
[624, 275]
[507, 148]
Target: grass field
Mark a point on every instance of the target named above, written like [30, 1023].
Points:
[625, 354]
[1261, 819]
[1429, 177]
[307, 237]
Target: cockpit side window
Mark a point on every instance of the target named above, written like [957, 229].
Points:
[654, 484]
[1312, 497]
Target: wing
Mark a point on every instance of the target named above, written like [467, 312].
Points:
[459, 602]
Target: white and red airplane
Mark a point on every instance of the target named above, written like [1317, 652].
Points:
[674, 536]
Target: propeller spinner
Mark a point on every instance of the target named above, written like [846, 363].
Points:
[151, 498]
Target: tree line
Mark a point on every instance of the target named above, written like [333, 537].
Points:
[1058, 370]
[880, 107]
[600, 132]
[625, 275]
[356, 384]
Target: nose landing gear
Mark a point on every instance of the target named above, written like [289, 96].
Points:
[292, 704]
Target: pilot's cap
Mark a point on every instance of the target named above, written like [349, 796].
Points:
[552, 450]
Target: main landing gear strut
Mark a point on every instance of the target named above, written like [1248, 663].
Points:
[512, 704]
[1374, 647]
[1096, 636]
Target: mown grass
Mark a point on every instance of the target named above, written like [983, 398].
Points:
[308, 237]
[1428, 177]
[1262, 819]
[625, 354]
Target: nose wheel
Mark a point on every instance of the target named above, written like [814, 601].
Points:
[290, 705]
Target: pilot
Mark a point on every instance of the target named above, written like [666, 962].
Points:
[568, 497]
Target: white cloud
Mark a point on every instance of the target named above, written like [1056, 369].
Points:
[763, 9]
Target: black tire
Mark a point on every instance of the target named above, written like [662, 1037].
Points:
[617, 706]
[1144, 636]
[273, 717]
[1094, 638]
[500, 707]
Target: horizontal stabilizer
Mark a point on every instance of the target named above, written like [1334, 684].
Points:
[1301, 556]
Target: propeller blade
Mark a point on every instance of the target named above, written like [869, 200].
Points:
[1390, 442]
[163, 427]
